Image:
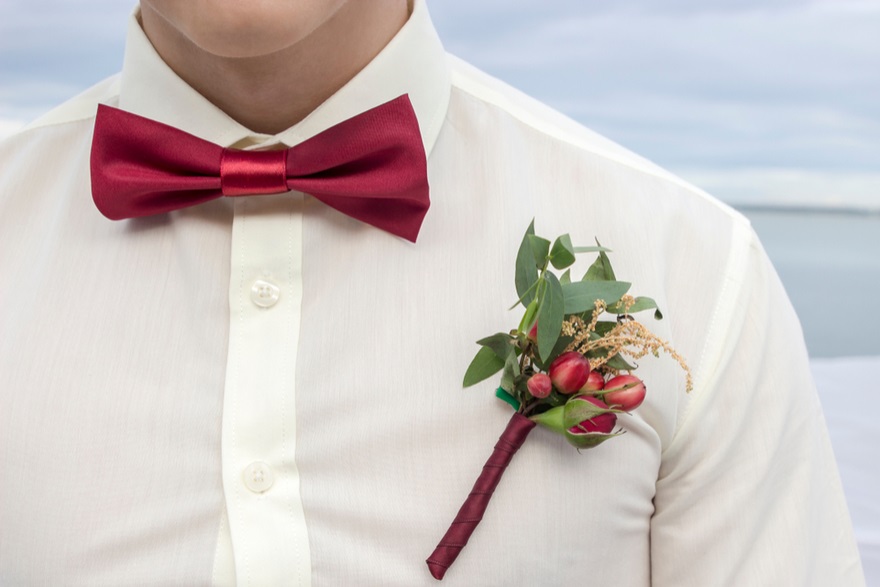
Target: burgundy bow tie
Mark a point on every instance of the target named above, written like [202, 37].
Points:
[371, 167]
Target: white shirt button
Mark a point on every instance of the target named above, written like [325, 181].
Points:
[264, 293]
[258, 477]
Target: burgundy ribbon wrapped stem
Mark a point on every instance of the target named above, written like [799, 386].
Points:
[474, 506]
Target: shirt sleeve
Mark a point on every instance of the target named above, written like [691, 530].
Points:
[748, 491]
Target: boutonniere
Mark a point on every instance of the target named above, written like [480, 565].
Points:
[567, 366]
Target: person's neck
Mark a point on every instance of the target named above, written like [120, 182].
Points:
[271, 93]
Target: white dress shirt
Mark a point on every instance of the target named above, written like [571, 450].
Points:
[263, 391]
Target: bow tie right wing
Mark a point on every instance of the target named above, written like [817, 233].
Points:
[371, 167]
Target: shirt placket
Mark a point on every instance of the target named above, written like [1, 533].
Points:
[260, 478]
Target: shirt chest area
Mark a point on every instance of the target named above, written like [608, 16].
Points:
[315, 376]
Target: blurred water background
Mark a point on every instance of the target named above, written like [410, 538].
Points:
[829, 261]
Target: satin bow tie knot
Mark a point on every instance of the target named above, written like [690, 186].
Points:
[244, 173]
[371, 167]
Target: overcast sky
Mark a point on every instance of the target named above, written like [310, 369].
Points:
[771, 101]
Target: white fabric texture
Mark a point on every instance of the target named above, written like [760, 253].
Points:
[138, 380]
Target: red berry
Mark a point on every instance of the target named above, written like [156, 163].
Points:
[595, 382]
[539, 385]
[626, 392]
[569, 371]
[533, 333]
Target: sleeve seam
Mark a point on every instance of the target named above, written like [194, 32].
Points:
[711, 356]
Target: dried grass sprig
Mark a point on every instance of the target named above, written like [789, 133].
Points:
[628, 337]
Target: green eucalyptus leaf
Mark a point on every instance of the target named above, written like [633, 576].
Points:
[540, 250]
[510, 372]
[500, 343]
[485, 364]
[503, 395]
[591, 249]
[596, 272]
[521, 387]
[600, 270]
[550, 316]
[581, 296]
[603, 327]
[526, 272]
[529, 317]
[641, 303]
[555, 399]
[551, 419]
[619, 363]
[609, 272]
[513, 359]
[566, 277]
[562, 253]
[597, 353]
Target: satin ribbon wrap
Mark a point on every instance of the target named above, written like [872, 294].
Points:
[371, 167]
[471, 512]
[250, 173]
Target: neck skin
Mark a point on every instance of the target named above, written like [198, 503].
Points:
[272, 92]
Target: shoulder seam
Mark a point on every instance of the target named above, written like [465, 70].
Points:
[491, 96]
[100, 92]
[50, 124]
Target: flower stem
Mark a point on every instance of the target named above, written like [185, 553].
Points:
[474, 506]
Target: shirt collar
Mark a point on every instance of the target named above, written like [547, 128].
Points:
[412, 63]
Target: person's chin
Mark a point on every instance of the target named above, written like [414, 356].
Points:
[241, 45]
